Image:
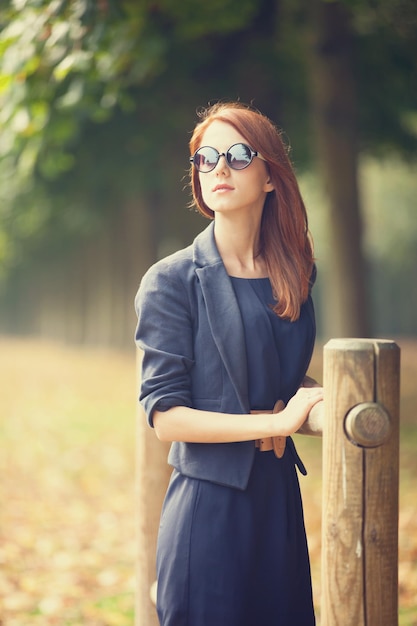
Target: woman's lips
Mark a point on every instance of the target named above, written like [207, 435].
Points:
[222, 188]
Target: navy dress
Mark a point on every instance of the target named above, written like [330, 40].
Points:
[228, 557]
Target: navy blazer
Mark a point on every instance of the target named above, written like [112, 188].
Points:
[191, 333]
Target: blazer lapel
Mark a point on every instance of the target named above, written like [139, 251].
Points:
[223, 312]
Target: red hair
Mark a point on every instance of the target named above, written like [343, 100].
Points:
[285, 241]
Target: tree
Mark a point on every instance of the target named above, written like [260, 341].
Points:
[341, 91]
[335, 117]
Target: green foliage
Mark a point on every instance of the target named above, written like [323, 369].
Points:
[63, 65]
[386, 70]
[97, 97]
[192, 20]
[63, 62]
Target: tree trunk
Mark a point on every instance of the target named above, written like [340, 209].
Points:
[334, 111]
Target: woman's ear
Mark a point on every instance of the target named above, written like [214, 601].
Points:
[268, 185]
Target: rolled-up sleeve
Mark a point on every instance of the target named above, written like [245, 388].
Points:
[164, 334]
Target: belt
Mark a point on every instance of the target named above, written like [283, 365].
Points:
[277, 444]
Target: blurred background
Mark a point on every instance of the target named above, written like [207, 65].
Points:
[98, 100]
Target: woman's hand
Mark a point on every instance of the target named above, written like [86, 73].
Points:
[290, 419]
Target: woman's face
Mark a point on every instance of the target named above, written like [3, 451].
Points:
[225, 189]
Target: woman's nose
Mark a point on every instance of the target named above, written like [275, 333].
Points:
[222, 164]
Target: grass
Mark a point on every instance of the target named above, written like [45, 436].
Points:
[67, 541]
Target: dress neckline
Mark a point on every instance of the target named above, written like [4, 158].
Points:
[246, 278]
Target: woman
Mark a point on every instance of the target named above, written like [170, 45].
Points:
[227, 330]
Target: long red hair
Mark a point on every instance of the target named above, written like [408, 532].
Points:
[286, 245]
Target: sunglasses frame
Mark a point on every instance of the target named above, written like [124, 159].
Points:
[253, 153]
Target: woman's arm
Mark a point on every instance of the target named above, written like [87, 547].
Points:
[193, 425]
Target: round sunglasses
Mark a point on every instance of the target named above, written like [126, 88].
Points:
[237, 157]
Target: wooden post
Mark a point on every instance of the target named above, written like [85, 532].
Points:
[152, 475]
[360, 483]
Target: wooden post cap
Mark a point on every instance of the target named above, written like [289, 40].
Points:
[368, 425]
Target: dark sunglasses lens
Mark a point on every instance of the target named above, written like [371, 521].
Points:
[205, 159]
[239, 156]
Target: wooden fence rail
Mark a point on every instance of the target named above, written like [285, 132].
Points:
[359, 422]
